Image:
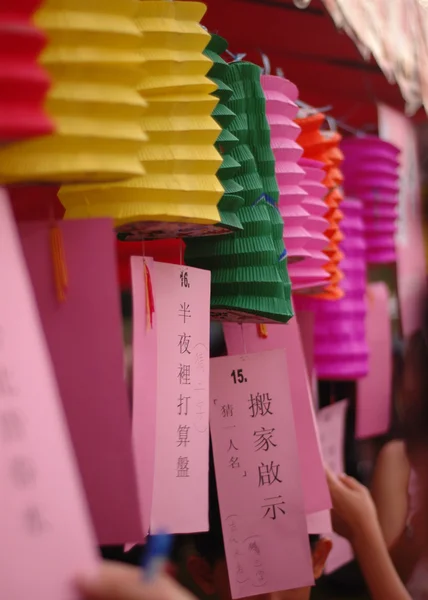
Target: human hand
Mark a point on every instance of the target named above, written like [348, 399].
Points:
[122, 582]
[353, 508]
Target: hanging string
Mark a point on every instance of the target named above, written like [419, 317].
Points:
[148, 288]
[150, 301]
[333, 395]
[235, 57]
[243, 339]
[58, 262]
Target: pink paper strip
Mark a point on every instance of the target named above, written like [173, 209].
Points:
[331, 427]
[84, 334]
[306, 323]
[395, 128]
[45, 528]
[374, 391]
[319, 522]
[245, 338]
[182, 305]
[145, 364]
[257, 473]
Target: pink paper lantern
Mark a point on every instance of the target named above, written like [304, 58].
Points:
[281, 110]
[371, 171]
[310, 274]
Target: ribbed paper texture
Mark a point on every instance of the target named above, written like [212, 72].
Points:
[23, 82]
[249, 279]
[281, 110]
[371, 169]
[310, 276]
[323, 146]
[231, 200]
[93, 61]
[179, 192]
[340, 345]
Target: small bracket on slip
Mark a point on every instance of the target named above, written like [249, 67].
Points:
[279, 72]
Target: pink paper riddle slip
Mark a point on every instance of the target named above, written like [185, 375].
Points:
[306, 323]
[245, 338]
[374, 391]
[257, 474]
[44, 523]
[411, 264]
[84, 336]
[180, 485]
[331, 426]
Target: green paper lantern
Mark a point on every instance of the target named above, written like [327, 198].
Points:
[231, 201]
[249, 278]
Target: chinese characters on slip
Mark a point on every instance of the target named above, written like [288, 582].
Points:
[42, 502]
[315, 492]
[257, 473]
[182, 307]
[75, 330]
[331, 427]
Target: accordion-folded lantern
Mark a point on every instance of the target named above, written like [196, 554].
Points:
[371, 169]
[340, 344]
[310, 276]
[323, 146]
[249, 278]
[231, 201]
[23, 82]
[179, 192]
[281, 110]
[93, 61]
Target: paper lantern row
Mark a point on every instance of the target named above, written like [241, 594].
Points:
[136, 118]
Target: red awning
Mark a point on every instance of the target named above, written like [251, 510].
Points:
[305, 44]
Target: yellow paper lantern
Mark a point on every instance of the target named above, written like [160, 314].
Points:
[179, 192]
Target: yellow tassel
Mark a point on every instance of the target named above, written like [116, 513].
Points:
[59, 263]
[262, 330]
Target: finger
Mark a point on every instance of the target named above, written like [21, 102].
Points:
[332, 481]
[350, 482]
[113, 582]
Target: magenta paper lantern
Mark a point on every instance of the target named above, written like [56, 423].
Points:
[371, 171]
[281, 109]
[340, 346]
